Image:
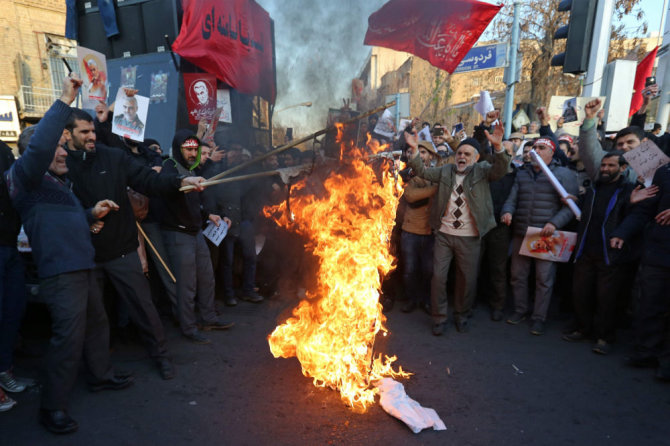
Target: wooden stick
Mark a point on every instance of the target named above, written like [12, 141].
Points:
[153, 248]
[231, 179]
[299, 141]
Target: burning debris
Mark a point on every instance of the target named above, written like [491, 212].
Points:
[348, 222]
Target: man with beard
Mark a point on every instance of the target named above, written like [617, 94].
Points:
[461, 214]
[129, 121]
[185, 243]
[598, 266]
[98, 172]
[534, 202]
[58, 228]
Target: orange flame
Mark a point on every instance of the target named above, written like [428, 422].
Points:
[332, 332]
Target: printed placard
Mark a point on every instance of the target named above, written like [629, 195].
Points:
[200, 96]
[130, 115]
[570, 110]
[215, 233]
[223, 102]
[93, 69]
[557, 247]
[645, 159]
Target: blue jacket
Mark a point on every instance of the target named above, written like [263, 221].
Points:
[54, 220]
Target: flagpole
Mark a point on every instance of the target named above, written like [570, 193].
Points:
[511, 78]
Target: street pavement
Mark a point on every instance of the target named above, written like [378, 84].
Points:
[496, 385]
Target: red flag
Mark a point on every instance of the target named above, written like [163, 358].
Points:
[231, 39]
[439, 31]
[644, 70]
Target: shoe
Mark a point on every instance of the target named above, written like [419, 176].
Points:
[230, 301]
[538, 328]
[426, 308]
[58, 421]
[641, 360]
[10, 383]
[516, 318]
[198, 338]
[252, 296]
[217, 324]
[462, 324]
[601, 347]
[115, 383]
[408, 307]
[165, 368]
[496, 315]
[438, 329]
[574, 336]
[6, 402]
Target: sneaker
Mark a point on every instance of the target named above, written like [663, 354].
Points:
[252, 296]
[516, 318]
[438, 329]
[230, 301]
[574, 336]
[10, 383]
[601, 347]
[216, 324]
[462, 324]
[6, 402]
[198, 338]
[538, 328]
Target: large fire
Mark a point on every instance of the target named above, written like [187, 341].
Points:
[332, 332]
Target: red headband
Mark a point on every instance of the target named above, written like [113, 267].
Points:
[547, 142]
[190, 143]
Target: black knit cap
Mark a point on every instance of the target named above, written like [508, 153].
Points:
[471, 142]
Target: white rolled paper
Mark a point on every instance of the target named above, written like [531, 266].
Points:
[557, 184]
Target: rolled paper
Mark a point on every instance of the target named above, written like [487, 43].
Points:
[557, 184]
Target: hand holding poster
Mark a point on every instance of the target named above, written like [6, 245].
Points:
[200, 96]
[557, 247]
[93, 69]
[130, 114]
[385, 126]
[645, 159]
[571, 109]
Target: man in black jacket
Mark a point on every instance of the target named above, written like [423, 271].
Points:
[185, 243]
[98, 172]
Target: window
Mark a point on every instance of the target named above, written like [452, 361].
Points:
[59, 48]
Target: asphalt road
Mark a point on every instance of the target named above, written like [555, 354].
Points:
[495, 385]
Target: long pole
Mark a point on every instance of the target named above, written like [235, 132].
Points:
[297, 142]
[511, 78]
[153, 248]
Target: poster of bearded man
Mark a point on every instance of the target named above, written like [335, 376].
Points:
[93, 69]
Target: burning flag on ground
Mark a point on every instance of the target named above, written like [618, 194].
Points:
[332, 332]
[441, 32]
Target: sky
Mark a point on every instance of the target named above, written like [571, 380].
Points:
[319, 50]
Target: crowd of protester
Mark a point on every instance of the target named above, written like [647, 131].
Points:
[104, 212]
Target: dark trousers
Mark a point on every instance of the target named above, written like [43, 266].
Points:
[652, 319]
[417, 257]
[12, 302]
[125, 274]
[155, 234]
[78, 325]
[192, 266]
[494, 256]
[595, 295]
[248, 244]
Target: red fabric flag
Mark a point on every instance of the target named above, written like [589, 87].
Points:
[644, 70]
[439, 31]
[231, 39]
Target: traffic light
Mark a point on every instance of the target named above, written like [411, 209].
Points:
[578, 32]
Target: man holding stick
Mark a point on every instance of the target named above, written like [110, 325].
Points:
[58, 228]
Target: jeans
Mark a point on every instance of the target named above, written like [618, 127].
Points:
[12, 302]
[107, 13]
[417, 257]
[248, 244]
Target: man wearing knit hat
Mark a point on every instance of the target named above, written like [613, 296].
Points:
[534, 202]
[461, 215]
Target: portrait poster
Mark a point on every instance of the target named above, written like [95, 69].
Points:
[571, 109]
[557, 247]
[223, 102]
[158, 90]
[130, 115]
[385, 126]
[201, 95]
[128, 76]
[93, 69]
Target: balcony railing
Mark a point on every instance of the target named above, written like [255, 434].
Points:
[35, 101]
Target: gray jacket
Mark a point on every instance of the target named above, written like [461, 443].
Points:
[534, 202]
[591, 152]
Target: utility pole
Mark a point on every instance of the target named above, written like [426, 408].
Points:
[511, 79]
[599, 48]
[664, 100]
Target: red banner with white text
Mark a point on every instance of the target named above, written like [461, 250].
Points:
[231, 39]
[439, 31]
